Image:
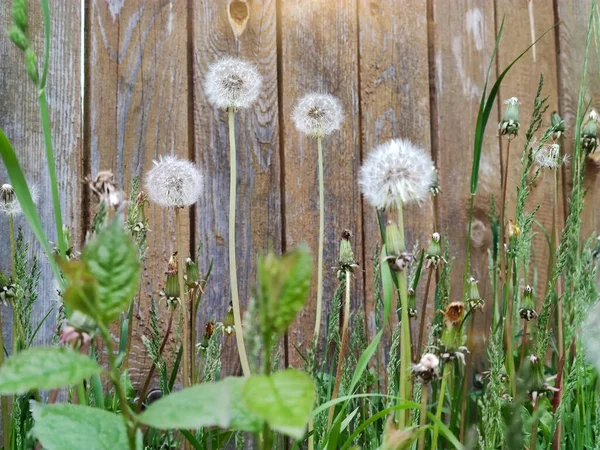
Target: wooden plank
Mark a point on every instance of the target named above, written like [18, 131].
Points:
[138, 111]
[20, 120]
[573, 18]
[394, 104]
[524, 22]
[258, 164]
[319, 52]
[463, 41]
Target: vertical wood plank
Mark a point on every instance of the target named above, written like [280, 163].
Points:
[573, 18]
[524, 23]
[138, 111]
[20, 120]
[394, 104]
[258, 165]
[463, 42]
[319, 52]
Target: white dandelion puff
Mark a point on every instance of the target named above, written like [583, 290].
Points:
[174, 182]
[9, 204]
[396, 171]
[548, 156]
[232, 83]
[593, 115]
[318, 115]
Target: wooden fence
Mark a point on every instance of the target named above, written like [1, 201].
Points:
[402, 68]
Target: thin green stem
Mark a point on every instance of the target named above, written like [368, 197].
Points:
[321, 241]
[533, 440]
[468, 253]
[423, 414]
[45, 117]
[405, 345]
[13, 252]
[186, 331]
[192, 300]
[467, 377]
[266, 432]
[4, 400]
[115, 377]
[235, 298]
[440, 405]
[424, 311]
[510, 360]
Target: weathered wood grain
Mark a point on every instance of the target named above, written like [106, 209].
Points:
[572, 34]
[463, 41]
[319, 52]
[20, 120]
[395, 103]
[524, 22]
[258, 161]
[138, 111]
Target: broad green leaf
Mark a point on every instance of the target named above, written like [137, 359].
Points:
[64, 426]
[242, 419]
[203, 405]
[45, 368]
[284, 287]
[112, 259]
[284, 400]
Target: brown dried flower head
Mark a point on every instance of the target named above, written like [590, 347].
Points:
[454, 312]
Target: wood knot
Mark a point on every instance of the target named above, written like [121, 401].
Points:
[238, 13]
[478, 233]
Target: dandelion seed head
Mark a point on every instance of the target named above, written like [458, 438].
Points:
[548, 156]
[9, 204]
[232, 82]
[318, 115]
[593, 115]
[512, 101]
[430, 361]
[174, 182]
[396, 171]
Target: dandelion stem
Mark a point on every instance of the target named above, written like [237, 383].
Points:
[503, 275]
[533, 440]
[13, 253]
[424, 312]
[192, 300]
[440, 405]
[186, 331]
[405, 346]
[463, 408]
[4, 400]
[321, 241]
[523, 343]
[338, 374]
[235, 299]
[423, 414]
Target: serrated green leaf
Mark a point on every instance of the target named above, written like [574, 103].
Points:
[284, 400]
[111, 258]
[284, 285]
[73, 427]
[45, 368]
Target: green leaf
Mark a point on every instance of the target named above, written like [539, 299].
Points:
[45, 368]
[284, 400]
[111, 258]
[65, 426]
[203, 405]
[242, 419]
[388, 286]
[284, 287]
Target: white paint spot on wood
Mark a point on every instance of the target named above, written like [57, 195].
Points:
[474, 24]
[170, 21]
[470, 89]
[115, 6]
[531, 26]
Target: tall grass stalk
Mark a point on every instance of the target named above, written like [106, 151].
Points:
[440, 406]
[319, 309]
[423, 414]
[235, 297]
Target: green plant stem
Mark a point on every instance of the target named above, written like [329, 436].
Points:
[440, 405]
[424, 312]
[423, 414]
[4, 400]
[115, 377]
[405, 345]
[468, 252]
[235, 299]
[266, 432]
[192, 300]
[503, 275]
[13, 252]
[319, 308]
[523, 343]
[45, 116]
[81, 397]
[510, 361]
[186, 331]
[467, 377]
[533, 440]
[340, 364]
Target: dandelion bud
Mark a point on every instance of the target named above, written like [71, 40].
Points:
[31, 65]
[209, 329]
[474, 300]
[527, 311]
[452, 334]
[346, 261]
[412, 303]
[512, 229]
[9, 203]
[589, 134]
[232, 83]
[435, 187]
[19, 12]
[510, 123]
[397, 258]
[171, 292]
[396, 172]
[174, 182]
[18, 37]
[8, 290]
[433, 254]
[318, 115]
[558, 124]
[228, 323]
[191, 272]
